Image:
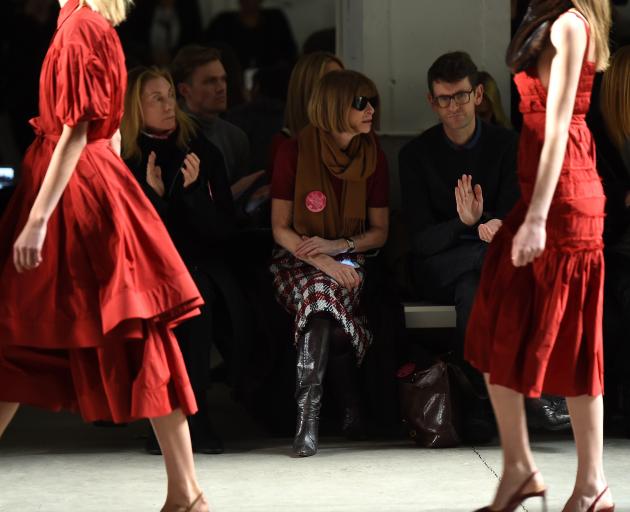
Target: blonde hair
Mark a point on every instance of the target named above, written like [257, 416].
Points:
[307, 72]
[132, 122]
[492, 94]
[599, 17]
[332, 99]
[114, 11]
[615, 97]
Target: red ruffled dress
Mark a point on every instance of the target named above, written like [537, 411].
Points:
[538, 329]
[90, 329]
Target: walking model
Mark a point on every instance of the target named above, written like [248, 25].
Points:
[91, 283]
[536, 323]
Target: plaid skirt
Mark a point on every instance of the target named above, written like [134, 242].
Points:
[304, 290]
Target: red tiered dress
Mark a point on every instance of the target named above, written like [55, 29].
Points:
[90, 328]
[537, 328]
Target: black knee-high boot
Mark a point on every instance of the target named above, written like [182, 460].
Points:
[344, 379]
[312, 356]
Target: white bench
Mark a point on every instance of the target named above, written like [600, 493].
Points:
[425, 315]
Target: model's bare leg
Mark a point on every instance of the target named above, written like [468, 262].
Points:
[587, 420]
[518, 461]
[7, 411]
[174, 438]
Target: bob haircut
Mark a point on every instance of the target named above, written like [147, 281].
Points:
[133, 120]
[332, 99]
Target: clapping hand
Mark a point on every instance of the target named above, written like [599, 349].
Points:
[154, 175]
[488, 229]
[469, 200]
[190, 169]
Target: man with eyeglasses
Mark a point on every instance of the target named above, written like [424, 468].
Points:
[458, 179]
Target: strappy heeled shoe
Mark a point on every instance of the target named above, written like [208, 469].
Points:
[518, 497]
[192, 505]
[608, 509]
[189, 507]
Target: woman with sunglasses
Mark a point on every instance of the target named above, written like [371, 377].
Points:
[329, 207]
[536, 325]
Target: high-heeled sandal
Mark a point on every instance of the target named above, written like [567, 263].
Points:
[187, 508]
[192, 505]
[601, 494]
[518, 497]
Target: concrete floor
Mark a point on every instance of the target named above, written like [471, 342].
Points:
[55, 463]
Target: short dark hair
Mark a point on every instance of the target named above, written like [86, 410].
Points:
[452, 67]
[189, 58]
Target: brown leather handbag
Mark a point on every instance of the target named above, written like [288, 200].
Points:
[430, 402]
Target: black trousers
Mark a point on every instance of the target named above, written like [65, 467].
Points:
[195, 337]
[452, 277]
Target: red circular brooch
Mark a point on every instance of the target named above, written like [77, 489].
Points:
[315, 201]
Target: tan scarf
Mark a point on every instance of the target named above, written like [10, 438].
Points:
[319, 158]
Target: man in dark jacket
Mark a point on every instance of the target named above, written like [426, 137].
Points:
[458, 180]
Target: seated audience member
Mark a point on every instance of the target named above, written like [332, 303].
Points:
[234, 76]
[156, 29]
[458, 179]
[306, 74]
[329, 206]
[260, 37]
[263, 116]
[184, 176]
[490, 109]
[613, 163]
[200, 79]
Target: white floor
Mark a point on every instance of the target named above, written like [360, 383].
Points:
[55, 463]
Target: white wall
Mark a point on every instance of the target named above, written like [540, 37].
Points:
[394, 42]
[305, 16]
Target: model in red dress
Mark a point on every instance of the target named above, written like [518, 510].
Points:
[91, 283]
[536, 323]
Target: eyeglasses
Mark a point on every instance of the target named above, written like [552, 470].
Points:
[361, 102]
[460, 98]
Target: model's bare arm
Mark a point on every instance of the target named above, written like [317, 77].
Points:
[568, 37]
[28, 246]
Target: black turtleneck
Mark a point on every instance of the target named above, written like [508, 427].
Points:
[199, 218]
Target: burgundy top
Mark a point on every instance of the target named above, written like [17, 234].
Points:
[285, 169]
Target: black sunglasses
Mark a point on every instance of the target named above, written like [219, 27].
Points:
[361, 102]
